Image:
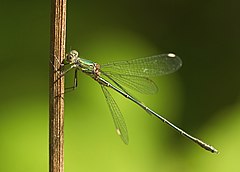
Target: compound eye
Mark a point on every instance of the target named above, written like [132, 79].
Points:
[74, 53]
[69, 58]
[72, 56]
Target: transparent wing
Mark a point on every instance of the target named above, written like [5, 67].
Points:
[118, 119]
[141, 84]
[145, 67]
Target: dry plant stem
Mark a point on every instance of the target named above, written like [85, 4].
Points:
[56, 86]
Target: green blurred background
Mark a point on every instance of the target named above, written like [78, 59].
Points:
[202, 97]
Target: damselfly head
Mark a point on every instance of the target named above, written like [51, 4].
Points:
[72, 57]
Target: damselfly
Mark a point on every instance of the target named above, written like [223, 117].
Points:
[133, 74]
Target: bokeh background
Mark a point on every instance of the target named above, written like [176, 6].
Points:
[202, 98]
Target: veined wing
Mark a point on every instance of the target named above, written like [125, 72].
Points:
[118, 119]
[141, 84]
[145, 67]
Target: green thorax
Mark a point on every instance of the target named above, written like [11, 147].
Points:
[89, 67]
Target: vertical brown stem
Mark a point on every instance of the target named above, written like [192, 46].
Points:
[56, 86]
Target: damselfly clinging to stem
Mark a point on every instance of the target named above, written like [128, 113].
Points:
[133, 74]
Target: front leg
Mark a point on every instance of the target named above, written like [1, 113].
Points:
[75, 82]
[67, 70]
